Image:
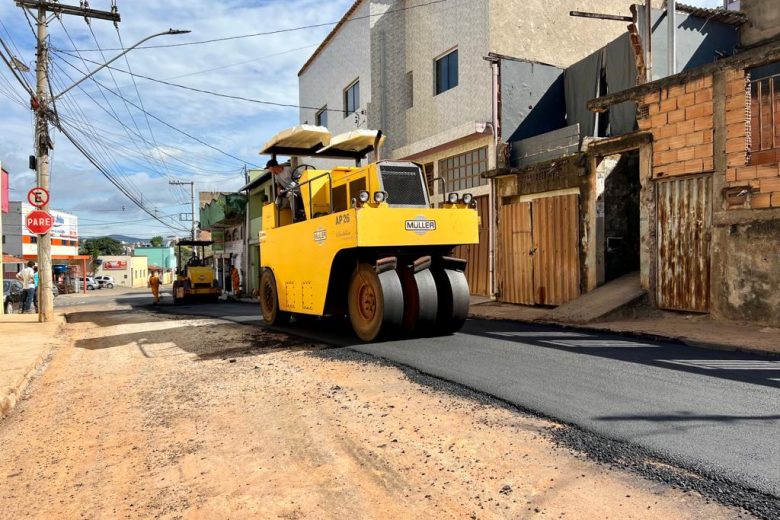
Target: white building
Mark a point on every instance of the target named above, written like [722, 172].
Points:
[19, 241]
[127, 271]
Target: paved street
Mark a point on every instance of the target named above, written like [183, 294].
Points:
[712, 411]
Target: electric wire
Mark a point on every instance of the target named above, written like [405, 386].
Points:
[176, 193]
[141, 102]
[267, 56]
[102, 169]
[164, 122]
[103, 132]
[106, 155]
[276, 31]
[101, 150]
[204, 91]
[110, 106]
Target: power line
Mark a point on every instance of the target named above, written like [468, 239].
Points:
[203, 91]
[277, 31]
[204, 71]
[110, 106]
[157, 118]
[106, 174]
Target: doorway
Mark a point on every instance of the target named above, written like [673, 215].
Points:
[620, 203]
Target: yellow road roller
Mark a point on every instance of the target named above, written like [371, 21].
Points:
[362, 241]
[194, 279]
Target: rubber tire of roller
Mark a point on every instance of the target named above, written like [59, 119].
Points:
[269, 300]
[375, 302]
[421, 302]
[453, 290]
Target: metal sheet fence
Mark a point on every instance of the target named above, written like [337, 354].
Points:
[684, 208]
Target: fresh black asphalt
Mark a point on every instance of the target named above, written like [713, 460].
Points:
[715, 412]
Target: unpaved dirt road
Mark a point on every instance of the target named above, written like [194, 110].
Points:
[142, 415]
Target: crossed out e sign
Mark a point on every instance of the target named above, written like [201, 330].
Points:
[38, 197]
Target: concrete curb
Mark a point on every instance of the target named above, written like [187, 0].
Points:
[10, 395]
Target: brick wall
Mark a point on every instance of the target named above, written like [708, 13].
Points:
[680, 118]
[762, 181]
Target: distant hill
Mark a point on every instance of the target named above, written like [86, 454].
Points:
[122, 238]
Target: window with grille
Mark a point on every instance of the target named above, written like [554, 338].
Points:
[461, 172]
[321, 117]
[428, 170]
[447, 72]
[765, 114]
[351, 98]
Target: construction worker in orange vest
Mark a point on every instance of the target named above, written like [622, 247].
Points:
[154, 283]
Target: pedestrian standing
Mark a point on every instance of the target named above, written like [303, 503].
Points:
[27, 277]
[35, 288]
[236, 279]
[154, 284]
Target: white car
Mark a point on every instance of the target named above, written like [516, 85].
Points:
[105, 281]
[91, 283]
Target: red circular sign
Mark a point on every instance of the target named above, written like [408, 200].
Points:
[39, 222]
[38, 197]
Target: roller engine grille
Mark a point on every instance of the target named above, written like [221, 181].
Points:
[404, 185]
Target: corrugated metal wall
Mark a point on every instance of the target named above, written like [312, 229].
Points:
[478, 255]
[539, 251]
[556, 256]
[515, 265]
[684, 208]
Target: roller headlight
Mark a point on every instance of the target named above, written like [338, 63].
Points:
[467, 199]
[380, 196]
[363, 196]
[452, 198]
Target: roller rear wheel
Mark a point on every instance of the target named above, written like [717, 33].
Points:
[376, 302]
[269, 300]
[453, 292]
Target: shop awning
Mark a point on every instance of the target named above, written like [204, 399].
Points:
[8, 259]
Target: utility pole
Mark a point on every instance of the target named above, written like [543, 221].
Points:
[40, 103]
[192, 200]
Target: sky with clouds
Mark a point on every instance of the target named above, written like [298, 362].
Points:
[144, 152]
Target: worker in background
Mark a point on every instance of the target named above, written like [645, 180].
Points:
[235, 278]
[154, 284]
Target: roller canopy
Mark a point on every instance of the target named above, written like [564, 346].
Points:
[316, 141]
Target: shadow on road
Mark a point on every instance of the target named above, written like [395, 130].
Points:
[169, 335]
[735, 366]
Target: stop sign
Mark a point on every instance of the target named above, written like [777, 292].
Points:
[39, 222]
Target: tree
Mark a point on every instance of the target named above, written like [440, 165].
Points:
[156, 241]
[101, 246]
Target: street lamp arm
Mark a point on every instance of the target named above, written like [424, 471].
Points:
[112, 60]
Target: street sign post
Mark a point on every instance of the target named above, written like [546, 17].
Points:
[39, 222]
[38, 197]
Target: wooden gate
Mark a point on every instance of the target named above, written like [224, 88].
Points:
[539, 261]
[478, 255]
[515, 265]
[684, 210]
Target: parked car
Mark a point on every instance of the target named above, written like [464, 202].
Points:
[91, 283]
[105, 281]
[12, 296]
